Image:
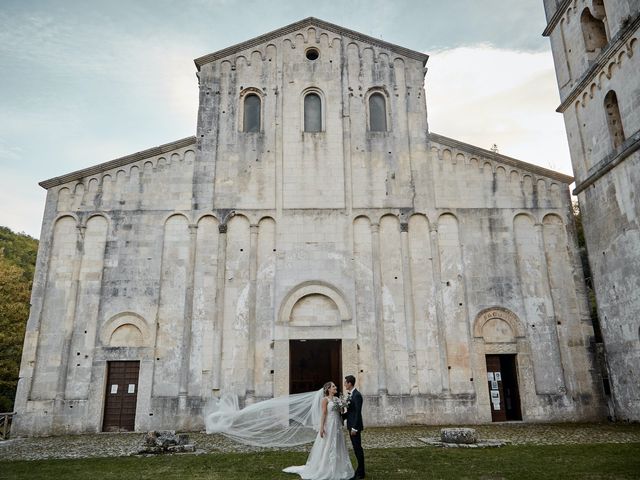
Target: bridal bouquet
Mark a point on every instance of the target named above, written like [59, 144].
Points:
[341, 403]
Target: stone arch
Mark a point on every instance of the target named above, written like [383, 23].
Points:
[70, 215]
[64, 199]
[175, 214]
[189, 156]
[313, 310]
[614, 119]
[314, 288]
[266, 217]
[484, 317]
[552, 218]
[521, 216]
[125, 329]
[206, 215]
[593, 31]
[98, 214]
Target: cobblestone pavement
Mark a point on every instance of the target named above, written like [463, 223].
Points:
[122, 444]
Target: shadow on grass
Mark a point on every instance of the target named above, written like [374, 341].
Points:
[605, 461]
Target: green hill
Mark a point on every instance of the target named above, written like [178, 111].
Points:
[17, 263]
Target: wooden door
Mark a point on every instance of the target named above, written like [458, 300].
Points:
[496, 394]
[121, 396]
[502, 380]
[510, 387]
[312, 363]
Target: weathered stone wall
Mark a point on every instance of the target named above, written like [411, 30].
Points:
[421, 253]
[600, 92]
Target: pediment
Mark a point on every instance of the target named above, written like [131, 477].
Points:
[302, 25]
[497, 158]
[118, 162]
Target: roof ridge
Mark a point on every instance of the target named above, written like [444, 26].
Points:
[200, 61]
[118, 162]
[514, 162]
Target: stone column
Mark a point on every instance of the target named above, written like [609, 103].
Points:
[185, 357]
[377, 289]
[219, 319]
[409, 316]
[437, 282]
[551, 316]
[251, 350]
[69, 319]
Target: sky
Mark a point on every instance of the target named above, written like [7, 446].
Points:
[86, 81]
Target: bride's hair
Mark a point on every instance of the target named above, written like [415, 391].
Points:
[326, 387]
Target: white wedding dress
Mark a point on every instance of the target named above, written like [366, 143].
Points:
[328, 459]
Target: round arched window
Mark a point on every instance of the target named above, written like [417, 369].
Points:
[251, 114]
[312, 113]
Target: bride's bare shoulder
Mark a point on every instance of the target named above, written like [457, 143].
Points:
[325, 400]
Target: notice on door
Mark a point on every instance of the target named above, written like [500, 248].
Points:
[114, 389]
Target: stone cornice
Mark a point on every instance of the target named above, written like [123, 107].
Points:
[118, 162]
[600, 62]
[513, 162]
[309, 22]
[604, 166]
[555, 18]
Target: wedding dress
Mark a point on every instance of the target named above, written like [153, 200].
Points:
[329, 458]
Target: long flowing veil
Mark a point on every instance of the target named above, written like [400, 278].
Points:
[278, 422]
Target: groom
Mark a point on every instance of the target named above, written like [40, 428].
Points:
[354, 422]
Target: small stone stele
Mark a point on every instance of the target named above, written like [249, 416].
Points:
[465, 436]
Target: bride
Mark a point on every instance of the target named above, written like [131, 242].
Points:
[328, 458]
[288, 421]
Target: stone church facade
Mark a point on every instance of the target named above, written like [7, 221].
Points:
[312, 228]
[595, 48]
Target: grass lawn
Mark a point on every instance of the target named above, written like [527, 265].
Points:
[512, 462]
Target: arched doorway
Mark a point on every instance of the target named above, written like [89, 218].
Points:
[498, 331]
[315, 339]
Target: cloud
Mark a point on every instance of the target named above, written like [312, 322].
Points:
[484, 95]
[22, 206]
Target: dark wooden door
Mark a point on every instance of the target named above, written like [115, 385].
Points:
[121, 397]
[496, 395]
[510, 387]
[503, 388]
[312, 363]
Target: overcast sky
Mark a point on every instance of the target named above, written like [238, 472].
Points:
[86, 81]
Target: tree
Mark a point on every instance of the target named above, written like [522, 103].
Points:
[14, 311]
[17, 263]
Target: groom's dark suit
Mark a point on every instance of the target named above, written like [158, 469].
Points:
[354, 421]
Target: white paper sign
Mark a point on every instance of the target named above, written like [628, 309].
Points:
[495, 396]
[490, 376]
[132, 388]
[498, 377]
[114, 389]
[494, 385]
[496, 406]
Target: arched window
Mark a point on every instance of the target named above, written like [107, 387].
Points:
[312, 113]
[593, 30]
[377, 113]
[251, 114]
[614, 121]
